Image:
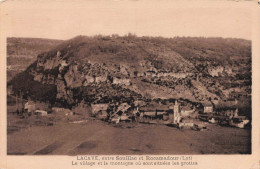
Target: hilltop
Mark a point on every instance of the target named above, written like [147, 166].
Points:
[114, 68]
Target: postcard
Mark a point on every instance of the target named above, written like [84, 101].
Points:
[130, 84]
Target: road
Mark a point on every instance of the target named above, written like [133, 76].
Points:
[97, 137]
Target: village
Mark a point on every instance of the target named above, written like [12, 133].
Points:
[177, 113]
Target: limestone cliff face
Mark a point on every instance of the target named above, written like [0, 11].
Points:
[56, 71]
[104, 69]
[67, 76]
[73, 77]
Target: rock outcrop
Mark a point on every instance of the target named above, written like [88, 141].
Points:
[107, 70]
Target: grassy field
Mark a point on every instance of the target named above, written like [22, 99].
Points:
[97, 137]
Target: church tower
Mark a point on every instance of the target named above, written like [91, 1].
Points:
[176, 112]
[176, 108]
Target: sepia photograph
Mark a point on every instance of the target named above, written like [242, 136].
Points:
[128, 78]
[129, 95]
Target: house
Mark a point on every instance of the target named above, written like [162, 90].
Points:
[30, 106]
[186, 111]
[69, 113]
[207, 107]
[154, 111]
[149, 114]
[227, 108]
[63, 111]
[239, 121]
[125, 117]
[186, 123]
[204, 117]
[161, 115]
[57, 109]
[162, 111]
[41, 112]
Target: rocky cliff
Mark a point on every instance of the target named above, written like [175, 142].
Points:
[107, 69]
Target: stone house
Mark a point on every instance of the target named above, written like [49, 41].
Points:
[207, 107]
[57, 109]
[30, 106]
[186, 111]
[41, 112]
[154, 111]
[228, 109]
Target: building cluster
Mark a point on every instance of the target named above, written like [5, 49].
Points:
[141, 111]
[178, 113]
[37, 108]
[225, 113]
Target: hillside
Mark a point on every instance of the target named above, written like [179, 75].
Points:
[118, 69]
[21, 52]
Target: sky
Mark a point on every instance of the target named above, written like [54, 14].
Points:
[67, 19]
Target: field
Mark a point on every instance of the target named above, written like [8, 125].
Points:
[97, 137]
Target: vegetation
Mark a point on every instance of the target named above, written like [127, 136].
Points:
[126, 56]
[37, 91]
